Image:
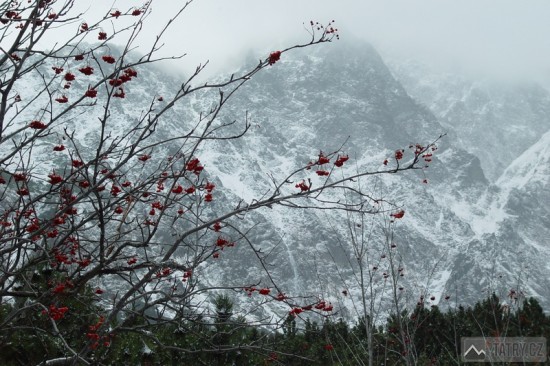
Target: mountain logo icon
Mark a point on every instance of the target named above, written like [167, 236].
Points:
[473, 353]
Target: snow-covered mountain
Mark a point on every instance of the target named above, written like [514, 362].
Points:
[506, 125]
[479, 225]
[496, 120]
[467, 232]
[464, 234]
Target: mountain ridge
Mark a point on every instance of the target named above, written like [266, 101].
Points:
[464, 233]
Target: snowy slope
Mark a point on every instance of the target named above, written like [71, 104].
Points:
[494, 119]
[501, 123]
[462, 235]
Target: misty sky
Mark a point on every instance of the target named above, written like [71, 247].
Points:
[507, 37]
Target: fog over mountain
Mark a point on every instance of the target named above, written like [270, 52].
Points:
[479, 218]
[505, 38]
[478, 226]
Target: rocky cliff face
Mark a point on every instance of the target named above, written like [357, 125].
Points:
[496, 120]
[479, 225]
[467, 232]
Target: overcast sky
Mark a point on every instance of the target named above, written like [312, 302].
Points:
[503, 36]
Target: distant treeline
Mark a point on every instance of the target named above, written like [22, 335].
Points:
[423, 336]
